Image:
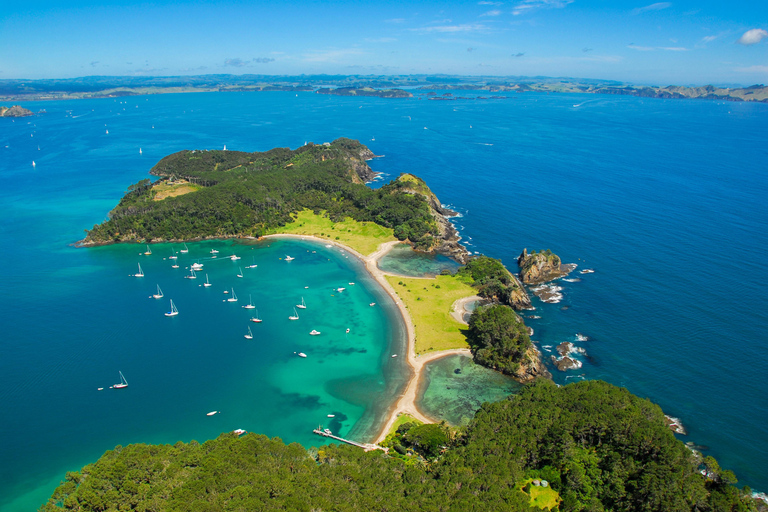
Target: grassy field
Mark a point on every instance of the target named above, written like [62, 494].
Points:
[402, 418]
[364, 237]
[542, 497]
[163, 189]
[429, 302]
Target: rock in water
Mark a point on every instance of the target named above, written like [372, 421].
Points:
[540, 267]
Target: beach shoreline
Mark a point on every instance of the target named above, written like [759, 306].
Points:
[406, 403]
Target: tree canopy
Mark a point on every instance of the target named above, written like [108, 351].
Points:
[498, 337]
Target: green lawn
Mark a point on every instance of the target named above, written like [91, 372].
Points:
[542, 497]
[430, 309]
[364, 237]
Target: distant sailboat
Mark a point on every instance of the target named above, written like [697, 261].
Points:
[206, 283]
[159, 294]
[33, 164]
[148, 251]
[191, 275]
[256, 319]
[175, 265]
[249, 336]
[140, 273]
[289, 258]
[302, 354]
[123, 382]
[303, 305]
[173, 256]
[241, 272]
[173, 311]
[233, 298]
[185, 249]
[107, 132]
[140, 151]
[250, 304]
[295, 315]
[253, 265]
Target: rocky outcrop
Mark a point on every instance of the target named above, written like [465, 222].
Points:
[540, 267]
[518, 297]
[532, 367]
[14, 111]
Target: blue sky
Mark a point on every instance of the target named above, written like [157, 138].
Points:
[645, 42]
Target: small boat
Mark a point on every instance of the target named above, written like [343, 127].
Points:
[99, 389]
[107, 132]
[197, 266]
[303, 305]
[587, 271]
[173, 311]
[241, 272]
[289, 258]
[33, 164]
[295, 315]
[340, 289]
[175, 265]
[206, 283]
[185, 250]
[123, 382]
[394, 355]
[140, 273]
[191, 275]
[351, 284]
[372, 304]
[159, 294]
[233, 298]
[234, 257]
[328, 431]
[250, 303]
[140, 151]
[347, 330]
[212, 413]
[173, 256]
[214, 251]
[314, 332]
[148, 251]
[331, 415]
[256, 319]
[239, 432]
[249, 335]
[253, 265]
[301, 354]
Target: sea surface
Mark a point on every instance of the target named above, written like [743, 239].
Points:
[664, 199]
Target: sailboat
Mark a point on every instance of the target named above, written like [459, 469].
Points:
[295, 315]
[250, 303]
[140, 151]
[233, 298]
[192, 275]
[173, 311]
[185, 249]
[33, 163]
[123, 382]
[302, 305]
[197, 266]
[253, 265]
[249, 336]
[175, 265]
[241, 272]
[148, 251]
[140, 273]
[206, 283]
[289, 258]
[173, 255]
[256, 319]
[159, 294]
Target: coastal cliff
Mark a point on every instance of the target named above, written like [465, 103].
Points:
[540, 267]
[14, 111]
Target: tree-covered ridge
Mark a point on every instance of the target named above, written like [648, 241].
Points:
[499, 338]
[599, 447]
[493, 281]
[249, 193]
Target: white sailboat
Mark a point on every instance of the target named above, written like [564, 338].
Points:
[140, 273]
[256, 319]
[233, 298]
[295, 315]
[191, 275]
[148, 251]
[253, 265]
[197, 266]
[241, 272]
[234, 257]
[173, 255]
[185, 249]
[303, 305]
[159, 294]
[250, 304]
[123, 382]
[175, 265]
[206, 283]
[249, 336]
[289, 258]
[173, 311]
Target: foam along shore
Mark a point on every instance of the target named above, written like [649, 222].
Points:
[406, 403]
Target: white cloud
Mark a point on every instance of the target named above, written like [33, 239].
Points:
[753, 36]
[658, 6]
[673, 48]
[640, 48]
[531, 5]
[708, 39]
[491, 13]
[753, 69]
[653, 48]
[467, 27]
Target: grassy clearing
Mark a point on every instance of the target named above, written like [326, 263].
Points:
[364, 237]
[164, 189]
[402, 418]
[429, 302]
[542, 497]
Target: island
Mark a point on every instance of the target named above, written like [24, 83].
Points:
[14, 111]
[366, 91]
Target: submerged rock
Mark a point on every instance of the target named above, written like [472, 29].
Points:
[540, 267]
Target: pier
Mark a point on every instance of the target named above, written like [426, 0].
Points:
[364, 446]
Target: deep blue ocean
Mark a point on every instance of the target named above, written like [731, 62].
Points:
[664, 199]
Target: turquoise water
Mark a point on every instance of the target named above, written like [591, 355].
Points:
[403, 260]
[663, 198]
[454, 387]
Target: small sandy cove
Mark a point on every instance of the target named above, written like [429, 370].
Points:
[407, 401]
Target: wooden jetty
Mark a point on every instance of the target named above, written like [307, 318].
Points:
[364, 446]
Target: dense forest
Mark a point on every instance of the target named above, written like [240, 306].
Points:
[597, 446]
[498, 338]
[232, 193]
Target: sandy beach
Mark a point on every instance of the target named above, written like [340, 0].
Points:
[406, 403]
